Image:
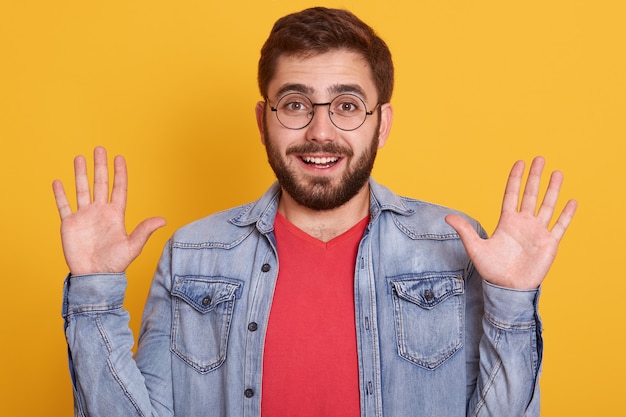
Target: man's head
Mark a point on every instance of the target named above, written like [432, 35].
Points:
[319, 30]
[326, 79]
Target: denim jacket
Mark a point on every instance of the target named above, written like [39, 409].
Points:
[433, 338]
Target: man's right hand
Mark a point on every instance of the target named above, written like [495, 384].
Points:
[94, 237]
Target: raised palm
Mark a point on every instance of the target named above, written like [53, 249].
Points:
[523, 247]
[94, 237]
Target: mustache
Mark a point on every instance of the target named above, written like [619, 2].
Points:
[310, 147]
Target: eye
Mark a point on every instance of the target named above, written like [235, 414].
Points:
[346, 105]
[294, 103]
[293, 106]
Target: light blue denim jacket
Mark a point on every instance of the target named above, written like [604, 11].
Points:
[433, 338]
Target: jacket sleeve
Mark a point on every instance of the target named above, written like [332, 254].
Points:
[106, 379]
[508, 364]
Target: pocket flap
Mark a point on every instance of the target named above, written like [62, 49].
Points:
[205, 293]
[428, 291]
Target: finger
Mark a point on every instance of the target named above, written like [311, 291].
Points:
[510, 203]
[100, 176]
[546, 211]
[120, 182]
[469, 236]
[564, 220]
[83, 193]
[531, 190]
[60, 197]
[143, 231]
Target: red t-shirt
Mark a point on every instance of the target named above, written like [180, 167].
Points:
[310, 363]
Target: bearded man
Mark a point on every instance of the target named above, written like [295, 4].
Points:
[328, 296]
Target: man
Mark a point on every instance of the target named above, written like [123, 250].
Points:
[328, 296]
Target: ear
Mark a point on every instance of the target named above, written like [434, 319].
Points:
[386, 117]
[259, 110]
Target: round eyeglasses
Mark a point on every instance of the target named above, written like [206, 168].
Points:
[346, 111]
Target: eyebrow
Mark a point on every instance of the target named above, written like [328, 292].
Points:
[294, 88]
[348, 88]
[334, 89]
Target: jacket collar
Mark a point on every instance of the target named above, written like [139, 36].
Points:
[263, 211]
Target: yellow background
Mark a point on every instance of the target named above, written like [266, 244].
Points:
[172, 86]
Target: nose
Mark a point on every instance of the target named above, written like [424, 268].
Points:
[321, 128]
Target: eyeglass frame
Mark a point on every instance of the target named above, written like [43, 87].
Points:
[330, 113]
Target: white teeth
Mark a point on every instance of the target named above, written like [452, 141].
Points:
[319, 161]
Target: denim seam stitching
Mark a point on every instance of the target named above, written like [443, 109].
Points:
[93, 309]
[520, 327]
[490, 381]
[107, 342]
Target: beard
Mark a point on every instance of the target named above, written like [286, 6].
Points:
[319, 193]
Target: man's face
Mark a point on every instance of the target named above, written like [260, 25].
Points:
[320, 166]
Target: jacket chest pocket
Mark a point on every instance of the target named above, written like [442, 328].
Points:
[202, 315]
[428, 313]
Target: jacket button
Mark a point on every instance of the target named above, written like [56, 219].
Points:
[249, 393]
[266, 267]
[252, 326]
[428, 295]
[206, 301]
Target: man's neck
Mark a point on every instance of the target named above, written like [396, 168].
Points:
[326, 224]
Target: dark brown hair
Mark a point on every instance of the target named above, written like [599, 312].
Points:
[319, 30]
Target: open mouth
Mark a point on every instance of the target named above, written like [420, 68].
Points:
[320, 161]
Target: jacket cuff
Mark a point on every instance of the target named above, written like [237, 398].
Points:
[511, 308]
[93, 293]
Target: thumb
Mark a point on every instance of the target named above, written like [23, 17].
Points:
[143, 231]
[469, 236]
